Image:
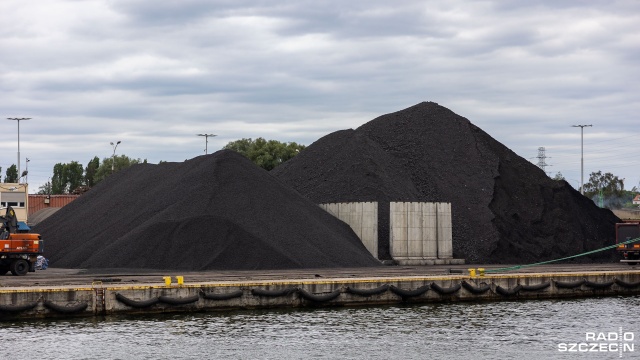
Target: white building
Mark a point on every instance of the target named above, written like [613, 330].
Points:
[16, 196]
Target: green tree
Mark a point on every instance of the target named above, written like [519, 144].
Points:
[90, 171]
[58, 182]
[45, 189]
[11, 175]
[119, 162]
[75, 176]
[558, 176]
[66, 177]
[607, 190]
[265, 153]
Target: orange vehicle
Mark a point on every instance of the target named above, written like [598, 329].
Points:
[627, 231]
[19, 249]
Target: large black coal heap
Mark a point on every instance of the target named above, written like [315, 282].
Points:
[216, 211]
[505, 209]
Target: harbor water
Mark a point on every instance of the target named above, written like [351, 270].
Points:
[541, 329]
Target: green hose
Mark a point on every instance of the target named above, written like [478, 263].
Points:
[564, 258]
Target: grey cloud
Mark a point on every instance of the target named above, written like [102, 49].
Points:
[155, 73]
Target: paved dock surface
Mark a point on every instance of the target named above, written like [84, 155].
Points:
[81, 277]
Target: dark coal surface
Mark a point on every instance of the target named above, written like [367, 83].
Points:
[504, 208]
[216, 211]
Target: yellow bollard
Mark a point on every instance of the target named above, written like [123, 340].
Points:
[481, 271]
[472, 272]
[167, 280]
[180, 280]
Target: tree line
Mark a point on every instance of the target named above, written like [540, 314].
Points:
[607, 190]
[74, 178]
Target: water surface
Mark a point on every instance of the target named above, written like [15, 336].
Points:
[491, 330]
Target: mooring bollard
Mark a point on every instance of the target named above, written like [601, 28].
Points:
[167, 280]
[472, 272]
[481, 271]
[180, 280]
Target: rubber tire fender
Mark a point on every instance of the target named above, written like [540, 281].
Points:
[445, 291]
[368, 292]
[569, 285]
[409, 293]
[476, 290]
[179, 300]
[136, 303]
[17, 308]
[319, 297]
[66, 309]
[508, 292]
[227, 296]
[627, 285]
[536, 287]
[273, 293]
[595, 285]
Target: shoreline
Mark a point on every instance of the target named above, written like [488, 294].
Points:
[55, 293]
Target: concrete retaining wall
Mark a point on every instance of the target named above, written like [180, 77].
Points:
[362, 217]
[420, 231]
[100, 299]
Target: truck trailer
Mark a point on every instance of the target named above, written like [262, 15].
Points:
[627, 231]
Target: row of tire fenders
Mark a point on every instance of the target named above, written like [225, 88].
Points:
[324, 297]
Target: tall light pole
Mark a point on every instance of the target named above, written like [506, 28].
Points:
[113, 157]
[18, 120]
[26, 179]
[206, 141]
[581, 155]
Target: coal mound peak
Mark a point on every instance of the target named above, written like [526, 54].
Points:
[504, 208]
[216, 211]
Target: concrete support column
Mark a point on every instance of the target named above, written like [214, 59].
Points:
[445, 237]
[370, 227]
[398, 230]
[429, 231]
[414, 230]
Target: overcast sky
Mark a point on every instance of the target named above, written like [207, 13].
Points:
[153, 74]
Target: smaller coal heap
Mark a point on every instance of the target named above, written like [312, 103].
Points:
[504, 209]
[216, 211]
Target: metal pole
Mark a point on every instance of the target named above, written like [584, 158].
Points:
[113, 157]
[18, 120]
[206, 141]
[582, 156]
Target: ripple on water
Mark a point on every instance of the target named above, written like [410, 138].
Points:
[493, 330]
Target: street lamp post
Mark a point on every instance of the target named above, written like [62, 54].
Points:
[26, 177]
[113, 157]
[581, 155]
[206, 141]
[18, 120]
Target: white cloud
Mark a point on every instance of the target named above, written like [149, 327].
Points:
[154, 74]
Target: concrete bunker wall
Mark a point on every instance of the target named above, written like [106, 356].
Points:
[420, 233]
[362, 217]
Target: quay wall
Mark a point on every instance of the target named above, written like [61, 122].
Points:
[104, 298]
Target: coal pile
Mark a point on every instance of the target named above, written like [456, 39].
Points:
[505, 209]
[216, 211]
